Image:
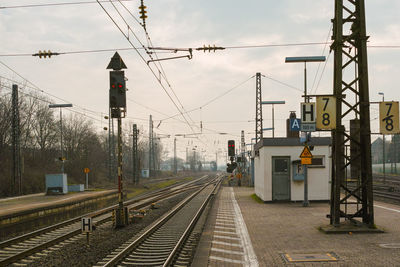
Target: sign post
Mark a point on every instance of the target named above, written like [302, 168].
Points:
[86, 171]
[306, 159]
[87, 227]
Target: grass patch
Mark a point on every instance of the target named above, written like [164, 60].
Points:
[256, 198]
[135, 192]
[163, 184]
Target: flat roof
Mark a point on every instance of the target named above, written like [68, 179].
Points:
[292, 141]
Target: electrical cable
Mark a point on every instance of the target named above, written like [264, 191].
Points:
[150, 43]
[60, 4]
[319, 63]
[141, 56]
[148, 52]
[215, 98]
[282, 83]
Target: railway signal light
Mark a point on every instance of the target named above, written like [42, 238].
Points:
[231, 148]
[231, 167]
[117, 89]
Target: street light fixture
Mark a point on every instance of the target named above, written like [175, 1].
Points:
[306, 99]
[272, 103]
[61, 126]
[383, 145]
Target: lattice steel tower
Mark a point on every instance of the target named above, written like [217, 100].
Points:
[135, 158]
[352, 172]
[259, 120]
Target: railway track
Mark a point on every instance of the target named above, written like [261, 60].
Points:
[165, 241]
[387, 187]
[18, 248]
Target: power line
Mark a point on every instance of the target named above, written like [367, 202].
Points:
[50, 102]
[319, 64]
[141, 56]
[61, 4]
[275, 45]
[283, 83]
[213, 99]
[150, 43]
[149, 52]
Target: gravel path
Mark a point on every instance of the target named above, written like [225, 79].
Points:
[102, 241]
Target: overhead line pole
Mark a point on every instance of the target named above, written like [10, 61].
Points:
[16, 184]
[259, 120]
[351, 16]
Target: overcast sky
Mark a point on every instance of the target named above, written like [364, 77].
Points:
[82, 78]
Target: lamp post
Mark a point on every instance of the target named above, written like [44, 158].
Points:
[306, 99]
[61, 127]
[272, 103]
[383, 144]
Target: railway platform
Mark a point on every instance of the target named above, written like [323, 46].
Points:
[36, 201]
[243, 232]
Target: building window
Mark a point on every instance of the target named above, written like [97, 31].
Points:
[317, 162]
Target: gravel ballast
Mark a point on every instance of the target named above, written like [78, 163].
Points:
[103, 240]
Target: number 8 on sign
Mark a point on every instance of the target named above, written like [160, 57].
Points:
[326, 112]
[389, 117]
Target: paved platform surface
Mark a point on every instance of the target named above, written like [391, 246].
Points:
[280, 233]
[17, 204]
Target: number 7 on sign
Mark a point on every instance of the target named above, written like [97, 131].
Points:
[389, 117]
[326, 113]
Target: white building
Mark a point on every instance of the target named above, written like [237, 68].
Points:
[278, 174]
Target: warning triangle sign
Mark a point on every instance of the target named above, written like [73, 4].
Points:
[306, 153]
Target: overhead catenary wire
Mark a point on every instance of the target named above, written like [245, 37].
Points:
[150, 43]
[35, 87]
[153, 52]
[282, 83]
[313, 90]
[60, 4]
[141, 56]
[213, 99]
[50, 102]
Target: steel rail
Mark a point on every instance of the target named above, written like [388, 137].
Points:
[190, 227]
[135, 204]
[122, 253]
[20, 238]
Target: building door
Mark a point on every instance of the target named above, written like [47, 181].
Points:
[280, 178]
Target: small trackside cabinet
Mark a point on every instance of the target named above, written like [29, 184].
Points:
[298, 171]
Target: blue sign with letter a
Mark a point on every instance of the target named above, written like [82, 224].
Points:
[295, 125]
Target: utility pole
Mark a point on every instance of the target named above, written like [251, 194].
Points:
[135, 165]
[175, 163]
[151, 156]
[153, 151]
[110, 162]
[259, 120]
[118, 111]
[61, 131]
[243, 151]
[383, 145]
[352, 98]
[216, 159]
[16, 184]
[113, 160]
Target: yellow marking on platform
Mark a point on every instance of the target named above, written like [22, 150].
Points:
[310, 257]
